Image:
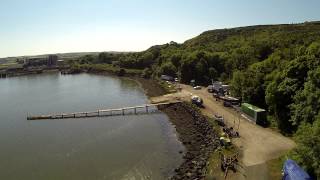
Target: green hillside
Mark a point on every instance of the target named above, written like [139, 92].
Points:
[276, 67]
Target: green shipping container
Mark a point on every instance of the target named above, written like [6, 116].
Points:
[258, 115]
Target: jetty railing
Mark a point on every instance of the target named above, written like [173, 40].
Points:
[103, 112]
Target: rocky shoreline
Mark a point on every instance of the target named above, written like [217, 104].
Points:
[197, 135]
[194, 131]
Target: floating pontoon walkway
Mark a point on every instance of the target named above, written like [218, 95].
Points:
[106, 112]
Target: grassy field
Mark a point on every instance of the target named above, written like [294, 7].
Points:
[6, 65]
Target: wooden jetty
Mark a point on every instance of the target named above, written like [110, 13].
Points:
[104, 112]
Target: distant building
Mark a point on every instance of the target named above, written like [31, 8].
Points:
[36, 61]
[52, 60]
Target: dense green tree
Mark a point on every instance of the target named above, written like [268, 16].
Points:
[168, 69]
[314, 49]
[307, 101]
[279, 95]
[242, 57]
[249, 86]
[105, 58]
[176, 59]
[147, 73]
[307, 152]
[87, 59]
[263, 50]
[187, 70]
[213, 73]
[236, 83]
[145, 60]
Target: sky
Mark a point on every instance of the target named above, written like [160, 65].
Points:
[32, 27]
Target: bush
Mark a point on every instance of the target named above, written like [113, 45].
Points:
[146, 73]
[121, 72]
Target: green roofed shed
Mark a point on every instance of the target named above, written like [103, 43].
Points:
[258, 115]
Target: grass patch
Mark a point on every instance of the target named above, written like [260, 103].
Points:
[2, 66]
[169, 87]
[6, 65]
[110, 69]
[214, 170]
[275, 167]
[215, 125]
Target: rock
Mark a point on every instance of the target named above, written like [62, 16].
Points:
[198, 137]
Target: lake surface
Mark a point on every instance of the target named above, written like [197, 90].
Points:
[141, 146]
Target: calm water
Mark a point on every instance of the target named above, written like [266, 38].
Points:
[122, 147]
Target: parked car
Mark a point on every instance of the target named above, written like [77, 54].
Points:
[197, 87]
[210, 89]
[197, 101]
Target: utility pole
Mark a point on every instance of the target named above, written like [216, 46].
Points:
[239, 120]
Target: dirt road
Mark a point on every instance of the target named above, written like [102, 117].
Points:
[257, 144]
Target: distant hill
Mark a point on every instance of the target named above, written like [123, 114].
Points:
[64, 56]
[72, 55]
[219, 53]
[61, 55]
[270, 33]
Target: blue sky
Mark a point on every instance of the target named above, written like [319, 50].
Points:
[30, 27]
